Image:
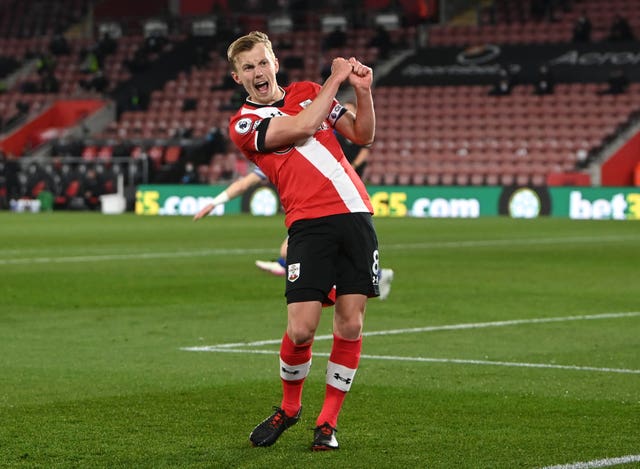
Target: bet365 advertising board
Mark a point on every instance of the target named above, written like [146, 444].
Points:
[584, 203]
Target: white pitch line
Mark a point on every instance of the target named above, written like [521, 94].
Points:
[141, 255]
[450, 327]
[228, 252]
[473, 243]
[457, 361]
[462, 361]
[238, 347]
[512, 322]
[608, 462]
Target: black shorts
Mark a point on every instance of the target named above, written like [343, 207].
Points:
[340, 250]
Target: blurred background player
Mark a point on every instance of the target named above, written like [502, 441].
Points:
[235, 189]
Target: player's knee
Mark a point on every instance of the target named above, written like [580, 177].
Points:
[348, 326]
[349, 329]
[300, 334]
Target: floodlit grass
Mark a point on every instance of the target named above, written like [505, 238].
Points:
[95, 312]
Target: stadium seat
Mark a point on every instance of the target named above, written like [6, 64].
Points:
[89, 153]
[155, 154]
[172, 154]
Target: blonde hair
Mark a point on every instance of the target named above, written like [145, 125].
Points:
[246, 43]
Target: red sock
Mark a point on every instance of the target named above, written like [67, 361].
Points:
[341, 369]
[295, 362]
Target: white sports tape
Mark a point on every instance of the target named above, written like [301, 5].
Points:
[339, 376]
[294, 372]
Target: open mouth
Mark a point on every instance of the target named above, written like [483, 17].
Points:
[262, 87]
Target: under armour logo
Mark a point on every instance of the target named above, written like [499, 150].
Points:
[340, 378]
[291, 372]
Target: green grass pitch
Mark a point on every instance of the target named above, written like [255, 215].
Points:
[504, 344]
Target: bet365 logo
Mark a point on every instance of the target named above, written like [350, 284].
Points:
[389, 204]
[147, 202]
[618, 207]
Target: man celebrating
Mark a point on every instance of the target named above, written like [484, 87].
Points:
[288, 134]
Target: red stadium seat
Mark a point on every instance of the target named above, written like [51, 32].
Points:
[172, 155]
[90, 152]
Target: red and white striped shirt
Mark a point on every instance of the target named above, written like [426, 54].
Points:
[313, 178]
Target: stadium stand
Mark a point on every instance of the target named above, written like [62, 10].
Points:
[462, 135]
[509, 21]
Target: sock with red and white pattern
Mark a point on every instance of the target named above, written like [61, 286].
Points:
[341, 369]
[295, 363]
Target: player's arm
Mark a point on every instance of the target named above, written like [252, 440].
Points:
[359, 127]
[234, 189]
[286, 131]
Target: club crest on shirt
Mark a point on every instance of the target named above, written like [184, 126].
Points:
[293, 272]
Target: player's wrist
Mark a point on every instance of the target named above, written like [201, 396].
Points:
[221, 198]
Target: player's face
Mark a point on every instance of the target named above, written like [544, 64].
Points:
[256, 70]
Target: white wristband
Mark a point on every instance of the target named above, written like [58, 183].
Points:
[221, 198]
